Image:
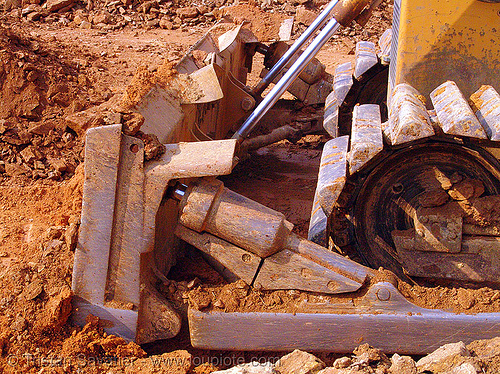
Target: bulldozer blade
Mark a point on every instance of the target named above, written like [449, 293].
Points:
[382, 318]
[127, 229]
[127, 232]
[120, 244]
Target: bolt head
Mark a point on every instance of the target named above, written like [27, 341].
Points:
[247, 103]
[383, 294]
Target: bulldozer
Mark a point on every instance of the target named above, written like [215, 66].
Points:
[405, 184]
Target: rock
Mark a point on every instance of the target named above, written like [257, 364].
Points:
[199, 299]
[33, 75]
[465, 368]
[53, 232]
[402, 365]
[55, 5]
[117, 346]
[132, 123]
[81, 121]
[14, 170]
[30, 9]
[304, 16]
[28, 154]
[463, 190]
[17, 136]
[344, 371]
[5, 125]
[177, 21]
[56, 311]
[187, 12]
[342, 362]
[41, 128]
[299, 362]
[54, 175]
[153, 149]
[15, 13]
[113, 118]
[176, 362]
[68, 137]
[103, 17]
[59, 164]
[288, 8]
[12, 4]
[266, 4]
[205, 368]
[33, 290]
[38, 165]
[71, 236]
[165, 23]
[367, 355]
[485, 349]
[152, 23]
[57, 88]
[62, 99]
[84, 81]
[75, 218]
[19, 324]
[86, 25]
[53, 246]
[464, 298]
[146, 6]
[77, 20]
[445, 353]
[433, 198]
[254, 367]
[199, 56]
[31, 105]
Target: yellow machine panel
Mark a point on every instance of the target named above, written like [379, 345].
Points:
[442, 40]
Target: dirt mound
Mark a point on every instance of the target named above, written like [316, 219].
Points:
[264, 25]
[37, 90]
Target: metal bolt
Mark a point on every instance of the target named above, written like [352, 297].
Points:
[246, 258]
[247, 103]
[383, 294]
[306, 273]
[397, 188]
[332, 285]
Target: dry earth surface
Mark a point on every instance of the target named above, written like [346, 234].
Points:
[61, 57]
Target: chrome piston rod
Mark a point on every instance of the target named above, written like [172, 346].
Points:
[283, 84]
[306, 35]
